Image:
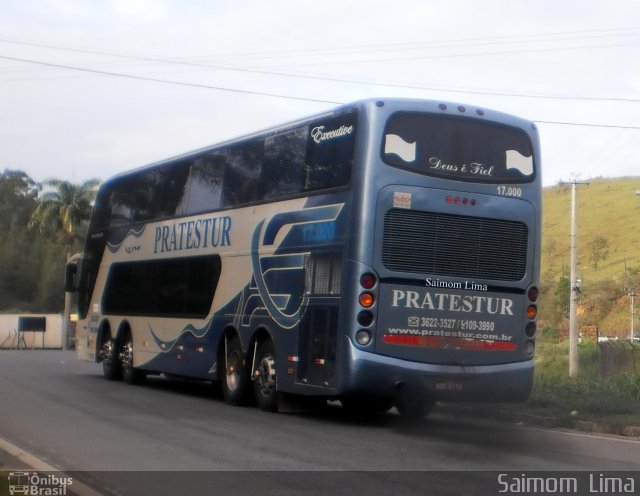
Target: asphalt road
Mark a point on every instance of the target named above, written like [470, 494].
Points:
[131, 439]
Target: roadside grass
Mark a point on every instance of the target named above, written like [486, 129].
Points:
[590, 401]
[609, 400]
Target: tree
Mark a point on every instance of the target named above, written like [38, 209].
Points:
[18, 193]
[18, 263]
[62, 210]
[599, 247]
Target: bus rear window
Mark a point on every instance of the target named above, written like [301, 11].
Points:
[460, 149]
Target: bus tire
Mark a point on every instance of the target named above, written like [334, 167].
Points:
[412, 403]
[111, 367]
[366, 405]
[264, 377]
[234, 372]
[415, 410]
[130, 374]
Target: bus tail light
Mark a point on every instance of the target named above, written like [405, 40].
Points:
[532, 312]
[530, 330]
[529, 348]
[366, 300]
[363, 337]
[365, 318]
[368, 280]
[532, 295]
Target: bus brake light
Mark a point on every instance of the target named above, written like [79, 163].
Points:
[367, 281]
[457, 200]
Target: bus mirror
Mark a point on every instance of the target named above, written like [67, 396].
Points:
[72, 274]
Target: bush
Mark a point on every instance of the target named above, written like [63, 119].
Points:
[591, 392]
[604, 396]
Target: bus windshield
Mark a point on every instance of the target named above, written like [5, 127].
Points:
[459, 149]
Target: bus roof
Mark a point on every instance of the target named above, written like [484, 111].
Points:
[392, 104]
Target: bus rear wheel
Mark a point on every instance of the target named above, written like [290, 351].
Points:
[413, 403]
[234, 372]
[365, 405]
[264, 377]
[111, 367]
[130, 374]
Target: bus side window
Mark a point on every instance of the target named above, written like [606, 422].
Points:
[242, 170]
[330, 150]
[284, 172]
[154, 194]
[203, 188]
[174, 287]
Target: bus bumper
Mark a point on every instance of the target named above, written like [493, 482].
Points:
[377, 375]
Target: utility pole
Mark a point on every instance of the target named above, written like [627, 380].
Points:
[632, 294]
[575, 283]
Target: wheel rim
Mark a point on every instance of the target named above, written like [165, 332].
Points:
[266, 375]
[233, 370]
[106, 351]
[126, 355]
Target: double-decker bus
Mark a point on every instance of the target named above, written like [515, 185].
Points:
[382, 253]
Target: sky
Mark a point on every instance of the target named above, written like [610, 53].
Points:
[92, 88]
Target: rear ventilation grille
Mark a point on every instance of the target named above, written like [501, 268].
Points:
[317, 346]
[454, 245]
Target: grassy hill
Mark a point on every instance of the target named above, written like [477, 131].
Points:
[609, 211]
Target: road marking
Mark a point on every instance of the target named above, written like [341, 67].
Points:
[38, 465]
[592, 435]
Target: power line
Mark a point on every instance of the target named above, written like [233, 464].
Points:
[417, 45]
[463, 42]
[251, 92]
[467, 54]
[166, 81]
[319, 78]
[584, 124]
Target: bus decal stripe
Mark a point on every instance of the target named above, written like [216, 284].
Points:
[447, 342]
[113, 248]
[189, 329]
[284, 320]
[308, 215]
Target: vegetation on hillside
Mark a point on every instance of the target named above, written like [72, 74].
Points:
[608, 251]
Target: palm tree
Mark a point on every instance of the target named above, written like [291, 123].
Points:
[62, 210]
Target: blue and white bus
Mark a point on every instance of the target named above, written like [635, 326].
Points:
[385, 252]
